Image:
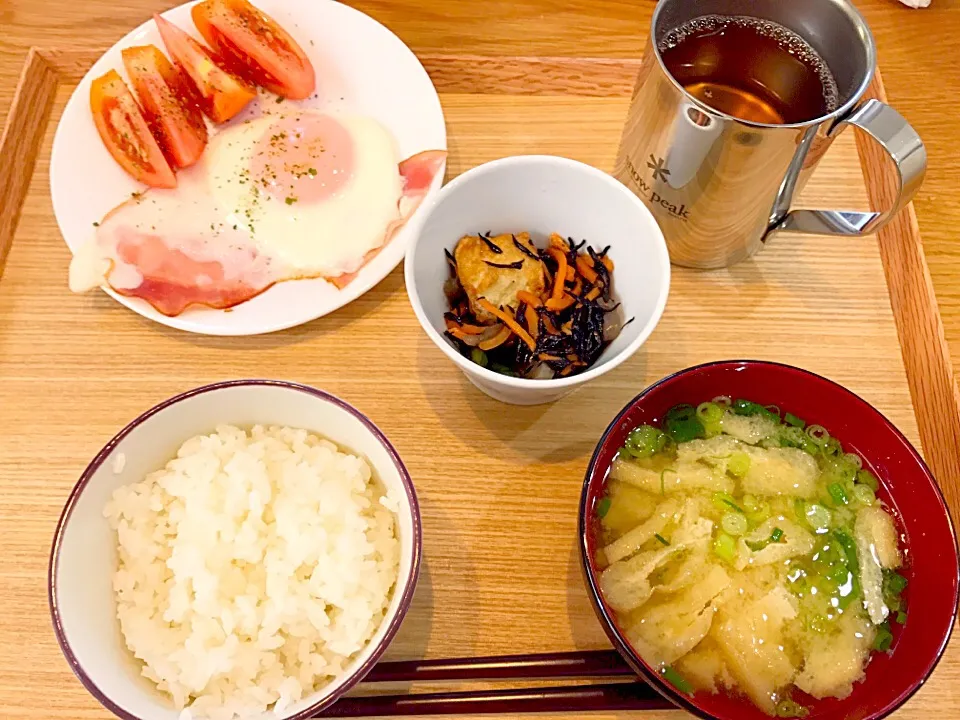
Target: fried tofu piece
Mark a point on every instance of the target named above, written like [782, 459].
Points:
[497, 284]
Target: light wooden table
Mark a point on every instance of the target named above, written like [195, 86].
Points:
[918, 54]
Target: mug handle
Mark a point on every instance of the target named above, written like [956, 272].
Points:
[900, 140]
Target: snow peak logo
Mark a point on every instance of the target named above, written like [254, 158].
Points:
[659, 173]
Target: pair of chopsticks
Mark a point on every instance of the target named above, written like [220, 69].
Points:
[628, 695]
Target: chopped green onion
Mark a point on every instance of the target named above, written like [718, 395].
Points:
[810, 446]
[863, 494]
[750, 503]
[839, 574]
[893, 583]
[645, 441]
[734, 523]
[502, 369]
[869, 479]
[739, 464]
[838, 494]
[725, 547]
[479, 357]
[603, 507]
[746, 407]
[682, 424]
[661, 538]
[677, 680]
[854, 460]
[793, 437]
[758, 545]
[710, 413]
[723, 401]
[818, 433]
[818, 517]
[793, 420]
[849, 548]
[832, 446]
[725, 500]
[883, 639]
[901, 617]
[789, 709]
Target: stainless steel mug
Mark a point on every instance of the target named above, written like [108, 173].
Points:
[719, 186]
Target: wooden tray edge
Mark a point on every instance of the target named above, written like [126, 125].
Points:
[21, 139]
[926, 356]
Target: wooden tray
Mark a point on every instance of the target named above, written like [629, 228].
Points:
[498, 485]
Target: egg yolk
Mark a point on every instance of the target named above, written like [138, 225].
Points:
[304, 158]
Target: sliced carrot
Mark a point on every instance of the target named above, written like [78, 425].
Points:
[571, 273]
[457, 333]
[607, 263]
[508, 321]
[533, 324]
[497, 340]
[529, 298]
[550, 358]
[555, 305]
[561, 258]
[593, 294]
[585, 267]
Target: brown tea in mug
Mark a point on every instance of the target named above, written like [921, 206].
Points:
[752, 69]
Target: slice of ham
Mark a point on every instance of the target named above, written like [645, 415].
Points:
[145, 266]
[172, 280]
[418, 172]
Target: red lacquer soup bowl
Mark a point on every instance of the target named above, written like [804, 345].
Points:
[907, 486]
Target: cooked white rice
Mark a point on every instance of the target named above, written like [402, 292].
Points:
[252, 568]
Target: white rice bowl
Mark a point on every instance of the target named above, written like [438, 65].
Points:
[252, 568]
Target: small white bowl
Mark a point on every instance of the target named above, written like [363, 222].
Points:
[542, 194]
[84, 556]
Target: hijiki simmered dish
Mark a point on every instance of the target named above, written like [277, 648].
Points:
[526, 312]
[747, 552]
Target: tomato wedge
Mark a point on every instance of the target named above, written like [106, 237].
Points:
[222, 95]
[255, 47]
[126, 134]
[169, 106]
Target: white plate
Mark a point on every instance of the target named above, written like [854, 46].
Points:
[361, 67]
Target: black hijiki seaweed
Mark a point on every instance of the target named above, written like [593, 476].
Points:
[579, 338]
[506, 266]
[524, 249]
[490, 243]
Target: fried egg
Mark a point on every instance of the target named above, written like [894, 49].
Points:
[302, 195]
[315, 192]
